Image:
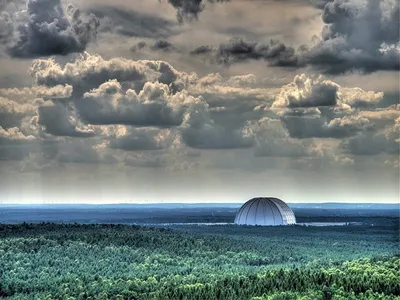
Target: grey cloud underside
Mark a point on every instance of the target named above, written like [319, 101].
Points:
[11, 113]
[323, 127]
[57, 122]
[136, 140]
[213, 136]
[359, 35]
[46, 28]
[16, 146]
[386, 141]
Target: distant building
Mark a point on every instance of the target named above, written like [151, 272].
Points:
[265, 212]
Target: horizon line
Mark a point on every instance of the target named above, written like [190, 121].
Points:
[182, 203]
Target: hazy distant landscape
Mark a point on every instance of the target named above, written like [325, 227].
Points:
[186, 213]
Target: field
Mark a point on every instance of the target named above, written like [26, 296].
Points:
[119, 261]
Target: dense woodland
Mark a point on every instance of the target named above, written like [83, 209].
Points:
[49, 261]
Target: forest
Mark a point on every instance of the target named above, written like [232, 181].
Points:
[100, 261]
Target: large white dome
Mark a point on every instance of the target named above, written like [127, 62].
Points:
[265, 212]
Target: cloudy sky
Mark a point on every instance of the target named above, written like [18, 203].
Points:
[199, 101]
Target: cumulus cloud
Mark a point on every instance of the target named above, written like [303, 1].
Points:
[154, 105]
[97, 110]
[316, 107]
[19, 106]
[46, 27]
[156, 102]
[306, 92]
[14, 134]
[90, 71]
[337, 127]
[236, 96]
[12, 112]
[382, 117]
[27, 94]
[358, 98]
[346, 126]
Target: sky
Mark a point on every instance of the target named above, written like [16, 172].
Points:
[199, 101]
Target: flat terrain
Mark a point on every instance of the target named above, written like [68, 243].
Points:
[184, 213]
[187, 261]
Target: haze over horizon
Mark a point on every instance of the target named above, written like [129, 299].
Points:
[199, 101]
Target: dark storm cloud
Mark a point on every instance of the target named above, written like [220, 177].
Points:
[50, 29]
[162, 45]
[159, 45]
[202, 50]
[237, 50]
[358, 35]
[132, 23]
[56, 120]
[190, 9]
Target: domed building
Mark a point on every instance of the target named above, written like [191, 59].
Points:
[265, 212]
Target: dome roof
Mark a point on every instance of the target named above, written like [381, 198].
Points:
[264, 212]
